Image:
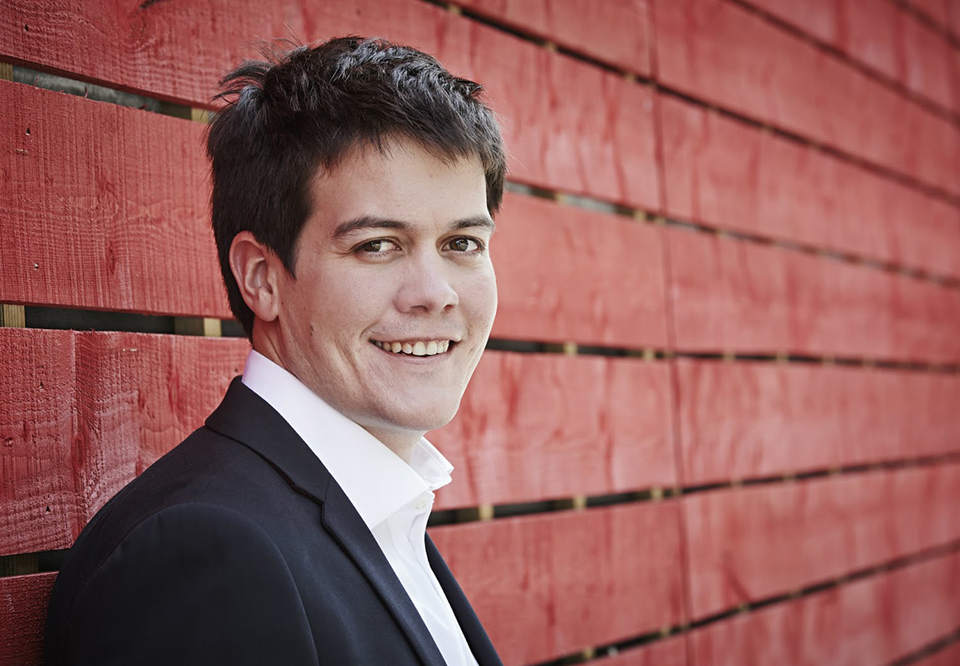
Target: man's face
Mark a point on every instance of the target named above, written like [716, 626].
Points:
[394, 294]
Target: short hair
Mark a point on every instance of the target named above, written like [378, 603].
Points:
[304, 109]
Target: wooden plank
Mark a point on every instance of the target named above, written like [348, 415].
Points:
[568, 274]
[871, 621]
[549, 585]
[23, 612]
[818, 18]
[38, 497]
[721, 172]
[617, 32]
[751, 543]
[722, 54]
[948, 656]
[534, 427]
[929, 59]
[598, 141]
[733, 295]
[669, 652]
[86, 412]
[935, 10]
[104, 207]
[749, 420]
[882, 36]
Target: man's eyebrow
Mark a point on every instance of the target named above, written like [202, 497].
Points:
[373, 222]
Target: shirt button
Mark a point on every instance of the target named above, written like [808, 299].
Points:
[421, 505]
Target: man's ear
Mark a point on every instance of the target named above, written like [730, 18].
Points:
[256, 269]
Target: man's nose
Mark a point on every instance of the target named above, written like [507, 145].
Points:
[427, 285]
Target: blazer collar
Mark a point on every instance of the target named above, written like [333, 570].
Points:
[247, 418]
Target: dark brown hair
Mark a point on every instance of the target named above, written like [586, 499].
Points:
[304, 109]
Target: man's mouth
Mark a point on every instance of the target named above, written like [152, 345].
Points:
[416, 347]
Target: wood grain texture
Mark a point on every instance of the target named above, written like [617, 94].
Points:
[721, 172]
[874, 620]
[550, 585]
[568, 274]
[598, 141]
[104, 207]
[724, 55]
[751, 543]
[38, 421]
[23, 613]
[85, 413]
[735, 295]
[749, 420]
[617, 32]
[534, 427]
[668, 652]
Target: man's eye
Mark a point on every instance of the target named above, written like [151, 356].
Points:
[464, 245]
[377, 246]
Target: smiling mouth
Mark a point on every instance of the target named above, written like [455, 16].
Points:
[417, 347]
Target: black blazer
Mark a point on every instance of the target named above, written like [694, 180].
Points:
[238, 547]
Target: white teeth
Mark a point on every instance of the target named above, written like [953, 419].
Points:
[418, 348]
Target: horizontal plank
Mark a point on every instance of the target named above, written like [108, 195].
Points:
[549, 585]
[569, 274]
[617, 32]
[749, 420]
[123, 224]
[948, 656]
[599, 140]
[23, 613]
[87, 412]
[723, 54]
[721, 172]
[748, 544]
[669, 652]
[734, 295]
[534, 427]
[881, 36]
[936, 10]
[874, 620]
[104, 207]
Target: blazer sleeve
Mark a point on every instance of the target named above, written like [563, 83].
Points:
[192, 584]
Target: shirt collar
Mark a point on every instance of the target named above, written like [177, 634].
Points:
[377, 481]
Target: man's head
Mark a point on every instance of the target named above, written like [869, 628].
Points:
[354, 184]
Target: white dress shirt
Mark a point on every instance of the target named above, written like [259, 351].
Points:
[393, 498]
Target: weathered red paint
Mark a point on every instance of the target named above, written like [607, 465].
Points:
[750, 420]
[751, 543]
[549, 585]
[724, 173]
[23, 612]
[875, 620]
[535, 426]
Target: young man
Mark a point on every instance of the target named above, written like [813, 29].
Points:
[354, 184]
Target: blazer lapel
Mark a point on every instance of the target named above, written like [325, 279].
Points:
[477, 639]
[248, 419]
[343, 521]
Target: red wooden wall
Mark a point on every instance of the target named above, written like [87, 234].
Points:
[722, 423]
